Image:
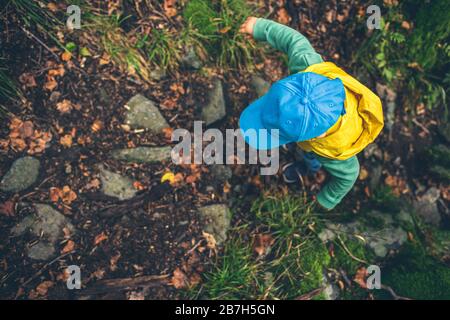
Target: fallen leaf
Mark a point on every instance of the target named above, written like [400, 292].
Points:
[360, 277]
[138, 185]
[42, 288]
[50, 84]
[283, 16]
[55, 194]
[363, 174]
[66, 56]
[105, 59]
[210, 240]
[52, 7]
[262, 243]
[70, 245]
[168, 176]
[93, 184]
[167, 133]
[68, 195]
[64, 106]
[99, 238]
[169, 8]
[28, 80]
[97, 125]
[66, 141]
[113, 261]
[179, 279]
[7, 208]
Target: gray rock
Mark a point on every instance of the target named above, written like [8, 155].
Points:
[41, 251]
[143, 113]
[215, 109]
[375, 176]
[386, 239]
[158, 74]
[48, 225]
[190, 60]
[260, 85]
[217, 218]
[326, 235]
[426, 207]
[330, 291]
[22, 175]
[143, 154]
[221, 172]
[116, 185]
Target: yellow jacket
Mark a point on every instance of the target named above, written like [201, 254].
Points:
[354, 130]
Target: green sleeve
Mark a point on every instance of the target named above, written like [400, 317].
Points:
[300, 52]
[344, 174]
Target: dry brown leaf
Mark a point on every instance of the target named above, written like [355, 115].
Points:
[138, 185]
[55, 194]
[283, 16]
[66, 141]
[210, 240]
[169, 8]
[100, 238]
[42, 288]
[105, 59]
[179, 279]
[7, 208]
[50, 84]
[70, 246]
[360, 277]
[363, 174]
[97, 125]
[68, 195]
[93, 184]
[262, 243]
[66, 56]
[52, 7]
[28, 80]
[64, 106]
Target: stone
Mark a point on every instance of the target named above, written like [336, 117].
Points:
[116, 185]
[22, 175]
[41, 251]
[386, 239]
[143, 113]
[143, 154]
[260, 85]
[426, 207]
[190, 60]
[215, 109]
[48, 225]
[217, 219]
[158, 74]
[375, 176]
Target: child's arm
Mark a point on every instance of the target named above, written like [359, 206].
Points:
[300, 52]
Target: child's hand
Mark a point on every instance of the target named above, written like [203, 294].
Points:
[248, 25]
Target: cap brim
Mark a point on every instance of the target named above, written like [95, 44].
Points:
[251, 119]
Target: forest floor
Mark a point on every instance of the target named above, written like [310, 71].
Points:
[117, 219]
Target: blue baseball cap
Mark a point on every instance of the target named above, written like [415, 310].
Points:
[297, 108]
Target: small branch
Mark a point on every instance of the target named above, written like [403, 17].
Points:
[310, 295]
[393, 294]
[121, 284]
[349, 253]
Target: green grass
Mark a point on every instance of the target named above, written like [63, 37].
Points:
[217, 24]
[414, 60]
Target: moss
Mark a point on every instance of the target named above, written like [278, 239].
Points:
[357, 248]
[417, 275]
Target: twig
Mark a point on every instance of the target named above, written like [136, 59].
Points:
[310, 295]
[30, 35]
[46, 266]
[349, 253]
[122, 284]
[392, 292]
[421, 126]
